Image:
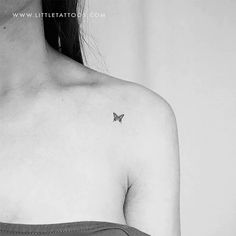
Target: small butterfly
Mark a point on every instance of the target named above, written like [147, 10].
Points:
[116, 117]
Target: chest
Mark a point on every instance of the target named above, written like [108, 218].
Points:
[66, 170]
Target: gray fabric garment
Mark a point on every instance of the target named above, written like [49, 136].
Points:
[83, 228]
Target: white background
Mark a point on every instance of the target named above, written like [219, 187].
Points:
[184, 50]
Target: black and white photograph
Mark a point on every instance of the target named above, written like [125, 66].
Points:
[117, 118]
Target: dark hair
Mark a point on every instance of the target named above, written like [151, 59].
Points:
[64, 33]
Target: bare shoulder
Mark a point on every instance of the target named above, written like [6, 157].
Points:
[147, 116]
[144, 107]
[134, 94]
[149, 122]
[139, 101]
[145, 112]
[140, 104]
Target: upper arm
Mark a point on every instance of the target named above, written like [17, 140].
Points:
[152, 202]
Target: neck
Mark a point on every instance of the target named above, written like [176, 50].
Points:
[23, 53]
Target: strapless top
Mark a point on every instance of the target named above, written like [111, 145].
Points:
[81, 228]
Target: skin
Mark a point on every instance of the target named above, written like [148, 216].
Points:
[62, 158]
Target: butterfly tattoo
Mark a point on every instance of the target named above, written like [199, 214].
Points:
[116, 117]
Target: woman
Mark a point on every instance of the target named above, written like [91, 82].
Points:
[80, 151]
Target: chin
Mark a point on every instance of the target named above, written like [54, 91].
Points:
[7, 7]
